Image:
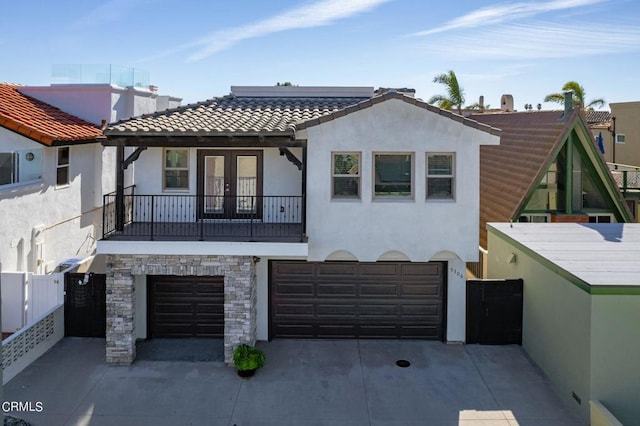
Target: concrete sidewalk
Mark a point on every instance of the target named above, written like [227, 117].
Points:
[341, 383]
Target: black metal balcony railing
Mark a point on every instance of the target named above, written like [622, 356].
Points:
[192, 217]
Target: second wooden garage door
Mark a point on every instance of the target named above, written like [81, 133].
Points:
[357, 300]
[185, 306]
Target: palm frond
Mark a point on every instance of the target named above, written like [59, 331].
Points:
[455, 94]
[554, 97]
[596, 103]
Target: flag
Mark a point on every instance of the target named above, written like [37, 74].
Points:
[600, 142]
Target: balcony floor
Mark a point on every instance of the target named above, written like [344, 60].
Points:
[210, 231]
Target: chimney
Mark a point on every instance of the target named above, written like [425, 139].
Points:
[506, 103]
[568, 102]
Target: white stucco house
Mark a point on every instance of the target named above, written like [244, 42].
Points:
[50, 201]
[307, 212]
[50, 183]
[59, 127]
[54, 173]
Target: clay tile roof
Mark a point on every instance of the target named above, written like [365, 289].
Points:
[233, 115]
[509, 171]
[595, 117]
[245, 115]
[40, 121]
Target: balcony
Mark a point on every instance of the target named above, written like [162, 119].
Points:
[627, 177]
[243, 218]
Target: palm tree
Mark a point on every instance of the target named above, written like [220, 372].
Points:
[578, 97]
[455, 93]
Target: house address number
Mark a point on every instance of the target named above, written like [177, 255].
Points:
[455, 272]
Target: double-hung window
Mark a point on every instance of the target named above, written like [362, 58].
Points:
[440, 176]
[176, 169]
[62, 166]
[393, 175]
[345, 175]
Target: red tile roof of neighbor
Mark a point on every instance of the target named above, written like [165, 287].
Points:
[42, 122]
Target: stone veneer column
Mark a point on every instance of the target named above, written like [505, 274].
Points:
[239, 306]
[121, 300]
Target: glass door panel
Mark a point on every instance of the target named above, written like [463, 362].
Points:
[214, 184]
[246, 183]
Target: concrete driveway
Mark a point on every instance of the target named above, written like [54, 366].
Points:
[341, 383]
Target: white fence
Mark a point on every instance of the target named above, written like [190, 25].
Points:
[26, 297]
[22, 348]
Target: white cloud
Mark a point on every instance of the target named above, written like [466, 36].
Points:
[110, 11]
[504, 13]
[322, 12]
[498, 74]
[538, 40]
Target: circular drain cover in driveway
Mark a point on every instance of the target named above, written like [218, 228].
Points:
[403, 363]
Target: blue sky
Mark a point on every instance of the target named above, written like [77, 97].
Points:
[197, 49]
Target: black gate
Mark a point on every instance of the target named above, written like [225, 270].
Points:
[494, 312]
[85, 312]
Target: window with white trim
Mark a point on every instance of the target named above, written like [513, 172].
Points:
[345, 175]
[176, 169]
[62, 166]
[620, 138]
[440, 176]
[393, 175]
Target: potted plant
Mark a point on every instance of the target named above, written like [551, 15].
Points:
[247, 360]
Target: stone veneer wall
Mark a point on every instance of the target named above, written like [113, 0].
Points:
[239, 297]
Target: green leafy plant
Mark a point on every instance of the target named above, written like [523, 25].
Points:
[247, 357]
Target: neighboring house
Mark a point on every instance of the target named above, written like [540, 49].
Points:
[581, 307]
[307, 212]
[52, 125]
[100, 102]
[624, 122]
[546, 169]
[50, 201]
[623, 157]
[600, 124]
[626, 166]
[50, 184]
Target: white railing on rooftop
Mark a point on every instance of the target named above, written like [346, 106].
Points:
[99, 74]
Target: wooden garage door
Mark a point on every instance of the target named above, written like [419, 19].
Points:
[357, 300]
[185, 306]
